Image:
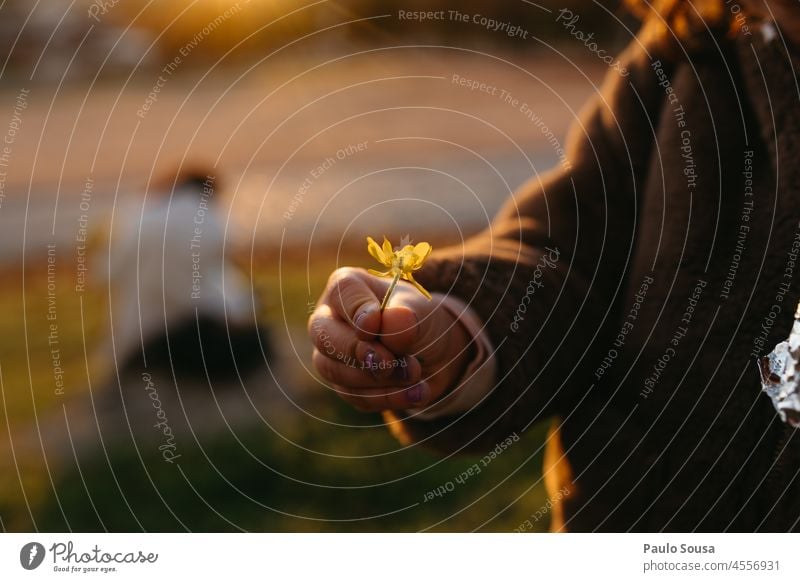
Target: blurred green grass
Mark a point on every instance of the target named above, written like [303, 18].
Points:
[228, 484]
[25, 350]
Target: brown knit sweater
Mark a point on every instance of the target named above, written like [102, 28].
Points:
[674, 229]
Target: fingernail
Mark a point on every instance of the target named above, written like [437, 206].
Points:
[369, 362]
[401, 371]
[416, 393]
[360, 319]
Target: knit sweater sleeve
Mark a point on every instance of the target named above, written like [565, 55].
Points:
[545, 276]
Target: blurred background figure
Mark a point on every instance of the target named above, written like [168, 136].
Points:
[179, 305]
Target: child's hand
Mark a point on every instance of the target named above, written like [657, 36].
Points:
[406, 357]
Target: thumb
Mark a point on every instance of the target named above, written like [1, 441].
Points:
[353, 296]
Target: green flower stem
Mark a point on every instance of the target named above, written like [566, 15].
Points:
[389, 291]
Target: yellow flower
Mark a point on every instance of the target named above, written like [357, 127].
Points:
[401, 263]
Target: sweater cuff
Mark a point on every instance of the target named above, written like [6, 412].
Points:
[478, 378]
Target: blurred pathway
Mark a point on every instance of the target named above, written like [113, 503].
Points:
[299, 148]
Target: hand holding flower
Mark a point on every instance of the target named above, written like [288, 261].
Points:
[404, 356]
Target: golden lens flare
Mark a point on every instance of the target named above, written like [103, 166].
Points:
[401, 263]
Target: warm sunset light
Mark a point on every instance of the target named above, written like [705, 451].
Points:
[395, 267]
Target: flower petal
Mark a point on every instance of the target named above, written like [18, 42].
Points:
[375, 250]
[421, 252]
[379, 273]
[408, 277]
[388, 251]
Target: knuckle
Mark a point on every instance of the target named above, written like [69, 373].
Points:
[348, 272]
[333, 278]
[319, 361]
[342, 277]
[318, 335]
[352, 346]
[314, 324]
[325, 366]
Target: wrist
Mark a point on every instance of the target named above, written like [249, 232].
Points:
[461, 352]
